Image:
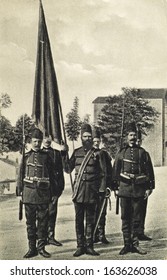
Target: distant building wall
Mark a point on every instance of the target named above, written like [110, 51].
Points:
[153, 142]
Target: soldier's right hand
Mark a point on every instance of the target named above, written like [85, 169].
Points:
[18, 192]
[64, 148]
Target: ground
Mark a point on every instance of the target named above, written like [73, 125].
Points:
[13, 244]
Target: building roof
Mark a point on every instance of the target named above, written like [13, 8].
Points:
[154, 93]
[148, 93]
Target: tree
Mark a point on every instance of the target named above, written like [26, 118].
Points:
[73, 124]
[18, 131]
[5, 101]
[134, 108]
[6, 135]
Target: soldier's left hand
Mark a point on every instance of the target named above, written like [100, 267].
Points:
[54, 199]
[147, 193]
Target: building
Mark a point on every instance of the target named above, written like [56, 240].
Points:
[156, 142]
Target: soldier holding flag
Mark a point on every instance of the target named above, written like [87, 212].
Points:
[89, 176]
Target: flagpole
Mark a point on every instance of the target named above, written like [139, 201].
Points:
[65, 138]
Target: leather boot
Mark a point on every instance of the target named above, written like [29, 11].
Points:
[126, 249]
[51, 240]
[41, 248]
[127, 245]
[80, 251]
[91, 251]
[32, 252]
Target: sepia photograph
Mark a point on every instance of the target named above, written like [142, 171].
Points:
[83, 131]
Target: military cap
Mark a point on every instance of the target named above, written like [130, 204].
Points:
[37, 133]
[96, 133]
[86, 128]
[131, 127]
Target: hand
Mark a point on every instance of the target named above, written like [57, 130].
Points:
[64, 148]
[116, 193]
[54, 199]
[147, 194]
[18, 192]
[102, 194]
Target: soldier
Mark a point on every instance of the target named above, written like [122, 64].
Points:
[133, 173]
[141, 234]
[100, 232]
[38, 188]
[88, 180]
[53, 205]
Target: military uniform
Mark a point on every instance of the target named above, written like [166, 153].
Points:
[56, 157]
[134, 174]
[107, 169]
[86, 195]
[36, 183]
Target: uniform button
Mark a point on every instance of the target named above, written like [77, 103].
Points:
[84, 171]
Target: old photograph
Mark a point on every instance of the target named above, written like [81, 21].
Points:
[83, 130]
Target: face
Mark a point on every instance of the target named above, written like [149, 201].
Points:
[87, 139]
[132, 137]
[36, 144]
[96, 143]
[47, 142]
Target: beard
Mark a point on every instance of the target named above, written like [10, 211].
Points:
[87, 144]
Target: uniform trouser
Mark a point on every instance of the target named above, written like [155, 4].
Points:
[52, 219]
[37, 222]
[84, 212]
[102, 222]
[143, 216]
[131, 215]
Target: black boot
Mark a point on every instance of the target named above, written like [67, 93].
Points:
[80, 251]
[144, 237]
[32, 252]
[41, 248]
[51, 240]
[91, 251]
[135, 245]
[126, 249]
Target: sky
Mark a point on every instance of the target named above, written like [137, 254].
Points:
[98, 47]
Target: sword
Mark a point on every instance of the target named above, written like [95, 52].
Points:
[108, 194]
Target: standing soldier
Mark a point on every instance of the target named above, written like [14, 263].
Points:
[36, 184]
[133, 173]
[53, 205]
[141, 234]
[107, 168]
[88, 180]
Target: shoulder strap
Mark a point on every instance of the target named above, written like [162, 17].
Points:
[81, 170]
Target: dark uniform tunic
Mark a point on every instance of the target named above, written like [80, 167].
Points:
[58, 167]
[87, 194]
[107, 183]
[38, 177]
[133, 172]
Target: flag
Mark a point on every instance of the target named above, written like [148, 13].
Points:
[46, 102]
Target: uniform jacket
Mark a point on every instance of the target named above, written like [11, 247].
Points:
[93, 177]
[133, 160]
[107, 168]
[36, 178]
[58, 166]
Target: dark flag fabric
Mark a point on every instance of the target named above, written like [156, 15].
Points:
[46, 101]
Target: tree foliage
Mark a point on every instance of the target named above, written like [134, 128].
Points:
[21, 131]
[6, 135]
[73, 123]
[119, 111]
[5, 101]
